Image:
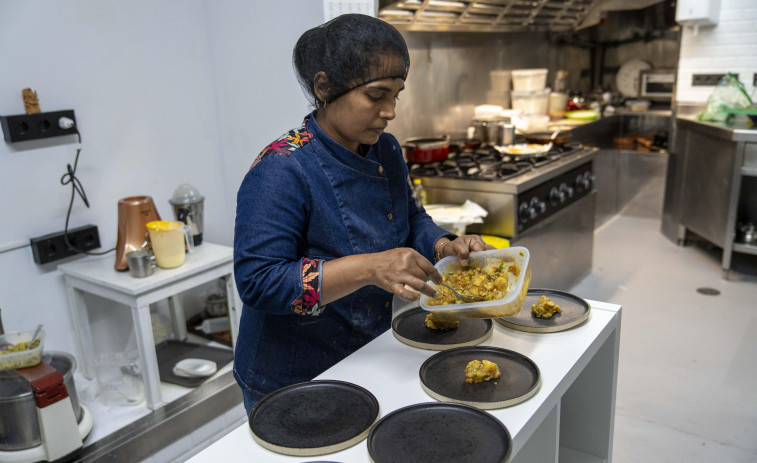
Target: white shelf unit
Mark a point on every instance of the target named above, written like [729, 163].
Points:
[97, 276]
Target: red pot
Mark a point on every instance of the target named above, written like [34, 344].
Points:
[426, 149]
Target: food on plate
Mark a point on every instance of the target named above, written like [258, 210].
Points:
[544, 307]
[492, 283]
[434, 323]
[526, 148]
[480, 371]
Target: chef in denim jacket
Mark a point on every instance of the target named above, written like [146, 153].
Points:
[327, 230]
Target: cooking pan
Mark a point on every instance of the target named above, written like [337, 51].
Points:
[432, 149]
[545, 137]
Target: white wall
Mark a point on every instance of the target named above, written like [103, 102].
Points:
[164, 92]
[727, 47]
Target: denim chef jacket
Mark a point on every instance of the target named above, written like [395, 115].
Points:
[307, 199]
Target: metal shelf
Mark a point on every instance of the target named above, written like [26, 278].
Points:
[745, 248]
[486, 15]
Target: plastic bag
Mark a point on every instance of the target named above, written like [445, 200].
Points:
[728, 94]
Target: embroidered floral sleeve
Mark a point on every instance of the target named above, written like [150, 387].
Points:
[309, 302]
[287, 143]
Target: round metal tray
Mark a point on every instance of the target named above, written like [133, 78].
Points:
[313, 418]
[409, 327]
[439, 432]
[443, 377]
[574, 311]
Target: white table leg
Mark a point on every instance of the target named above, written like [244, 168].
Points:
[84, 343]
[178, 319]
[148, 359]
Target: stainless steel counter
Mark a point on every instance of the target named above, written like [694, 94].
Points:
[738, 132]
[711, 185]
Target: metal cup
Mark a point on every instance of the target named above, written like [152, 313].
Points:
[141, 263]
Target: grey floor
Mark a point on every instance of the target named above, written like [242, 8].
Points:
[687, 377]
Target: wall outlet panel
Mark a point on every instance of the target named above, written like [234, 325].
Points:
[700, 80]
[52, 247]
[24, 127]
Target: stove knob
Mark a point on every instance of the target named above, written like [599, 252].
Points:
[540, 207]
[556, 196]
[582, 183]
[589, 179]
[526, 212]
[565, 189]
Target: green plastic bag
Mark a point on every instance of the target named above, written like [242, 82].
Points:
[728, 94]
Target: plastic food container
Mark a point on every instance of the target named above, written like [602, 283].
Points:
[531, 102]
[511, 304]
[500, 80]
[20, 359]
[529, 80]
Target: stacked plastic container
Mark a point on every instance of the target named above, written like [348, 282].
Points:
[500, 88]
[530, 95]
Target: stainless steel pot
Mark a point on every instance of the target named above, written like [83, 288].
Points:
[18, 410]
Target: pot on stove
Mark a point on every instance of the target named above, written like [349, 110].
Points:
[432, 149]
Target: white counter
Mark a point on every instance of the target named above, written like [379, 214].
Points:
[569, 419]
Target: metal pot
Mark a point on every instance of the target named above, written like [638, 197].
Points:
[747, 233]
[18, 409]
[427, 149]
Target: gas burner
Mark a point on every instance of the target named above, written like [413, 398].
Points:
[420, 170]
[473, 171]
[449, 171]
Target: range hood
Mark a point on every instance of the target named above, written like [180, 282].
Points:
[500, 15]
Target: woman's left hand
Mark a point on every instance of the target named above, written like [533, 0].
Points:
[462, 246]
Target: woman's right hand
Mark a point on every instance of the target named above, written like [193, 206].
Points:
[397, 268]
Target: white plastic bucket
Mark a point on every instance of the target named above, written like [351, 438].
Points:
[500, 80]
[530, 102]
[529, 80]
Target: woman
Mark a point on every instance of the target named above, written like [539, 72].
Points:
[327, 230]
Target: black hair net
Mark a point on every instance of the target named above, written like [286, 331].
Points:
[352, 49]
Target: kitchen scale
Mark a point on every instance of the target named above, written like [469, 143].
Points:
[60, 432]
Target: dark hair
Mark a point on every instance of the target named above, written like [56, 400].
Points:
[352, 49]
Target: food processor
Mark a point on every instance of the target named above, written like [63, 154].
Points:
[187, 205]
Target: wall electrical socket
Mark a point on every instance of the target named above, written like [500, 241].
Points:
[53, 247]
[699, 80]
[23, 127]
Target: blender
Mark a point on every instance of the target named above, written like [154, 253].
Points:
[187, 205]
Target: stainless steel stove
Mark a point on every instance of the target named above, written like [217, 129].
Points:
[544, 202]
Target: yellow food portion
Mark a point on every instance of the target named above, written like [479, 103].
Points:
[8, 362]
[436, 324]
[544, 308]
[492, 283]
[21, 346]
[478, 372]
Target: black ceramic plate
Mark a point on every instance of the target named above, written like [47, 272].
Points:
[313, 418]
[409, 327]
[574, 311]
[443, 377]
[439, 433]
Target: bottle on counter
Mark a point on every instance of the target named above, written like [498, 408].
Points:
[420, 193]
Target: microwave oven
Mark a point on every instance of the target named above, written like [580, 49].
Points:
[657, 84]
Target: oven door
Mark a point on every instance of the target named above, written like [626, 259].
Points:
[561, 246]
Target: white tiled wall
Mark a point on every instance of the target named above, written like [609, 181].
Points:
[730, 46]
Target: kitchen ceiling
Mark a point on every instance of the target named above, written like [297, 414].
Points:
[500, 15]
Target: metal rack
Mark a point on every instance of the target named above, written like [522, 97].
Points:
[486, 15]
